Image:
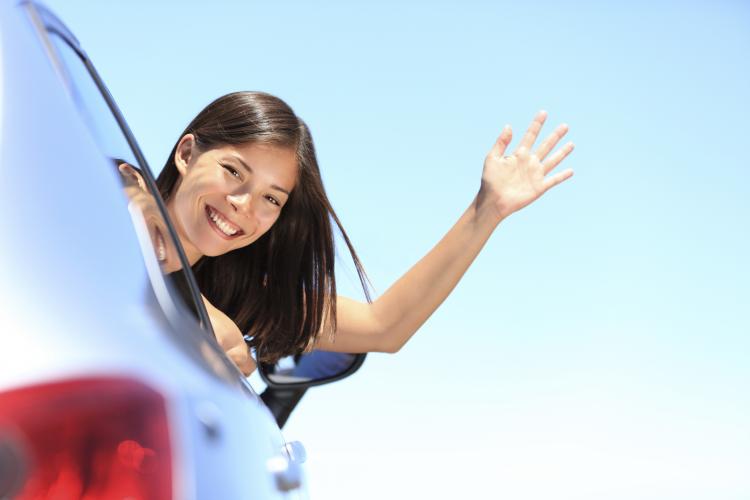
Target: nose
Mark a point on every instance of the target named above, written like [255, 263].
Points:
[240, 202]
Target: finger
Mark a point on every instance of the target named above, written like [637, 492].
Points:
[533, 131]
[556, 179]
[502, 142]
[554, 160]
[551, 141]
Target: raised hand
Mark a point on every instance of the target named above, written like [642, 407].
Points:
[511, 182]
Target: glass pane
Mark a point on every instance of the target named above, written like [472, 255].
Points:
[148, 219]
[91, 104]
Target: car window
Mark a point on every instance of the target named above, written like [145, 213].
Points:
[144, 202]
[171, 286]
[91, 104]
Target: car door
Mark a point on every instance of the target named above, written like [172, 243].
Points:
[230, 468]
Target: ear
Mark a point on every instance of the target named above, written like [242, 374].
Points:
[132, 176]
[185, 149]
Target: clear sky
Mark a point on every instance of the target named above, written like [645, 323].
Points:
[599, 346]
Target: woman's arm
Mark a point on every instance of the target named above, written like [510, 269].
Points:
[509, 183]
[230, 339]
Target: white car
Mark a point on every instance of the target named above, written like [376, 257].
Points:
[112, 384]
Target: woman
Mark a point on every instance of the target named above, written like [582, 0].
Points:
[243, 188]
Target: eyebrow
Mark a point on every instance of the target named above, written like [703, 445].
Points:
[250, 170]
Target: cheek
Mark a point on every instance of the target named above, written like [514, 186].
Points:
[271, 220]
[180, 206]
[266, 223]
[191, 217]
[190, 199]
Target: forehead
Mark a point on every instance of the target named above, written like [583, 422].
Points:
[277, 164]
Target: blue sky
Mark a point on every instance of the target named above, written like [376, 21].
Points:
[599, 345]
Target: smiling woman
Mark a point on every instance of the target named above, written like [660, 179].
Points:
[244, 171]
[244, 189]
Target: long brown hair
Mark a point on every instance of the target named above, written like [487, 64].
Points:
[281, 289]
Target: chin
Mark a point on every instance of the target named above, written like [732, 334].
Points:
[214, 251]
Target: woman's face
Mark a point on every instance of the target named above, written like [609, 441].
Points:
[229, 196]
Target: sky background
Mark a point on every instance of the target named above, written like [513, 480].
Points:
[599, 346]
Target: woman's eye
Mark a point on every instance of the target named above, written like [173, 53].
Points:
[273, 200]
[232, 171]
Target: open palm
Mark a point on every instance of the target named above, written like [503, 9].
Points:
[509, 183]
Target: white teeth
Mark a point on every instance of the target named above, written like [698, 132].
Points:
[225, 227]
[162, 252]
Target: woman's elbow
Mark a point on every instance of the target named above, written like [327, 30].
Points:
[389, 346]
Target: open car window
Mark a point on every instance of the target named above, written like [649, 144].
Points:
[171, 281]
[143, 199]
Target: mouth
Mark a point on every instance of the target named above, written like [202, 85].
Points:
[222, 225]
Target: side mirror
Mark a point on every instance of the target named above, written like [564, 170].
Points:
[310, 369]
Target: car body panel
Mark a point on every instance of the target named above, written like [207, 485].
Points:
[76, 297]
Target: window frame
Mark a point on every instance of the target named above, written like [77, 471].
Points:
[53, 26]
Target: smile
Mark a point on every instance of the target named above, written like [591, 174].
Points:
[221, 224]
